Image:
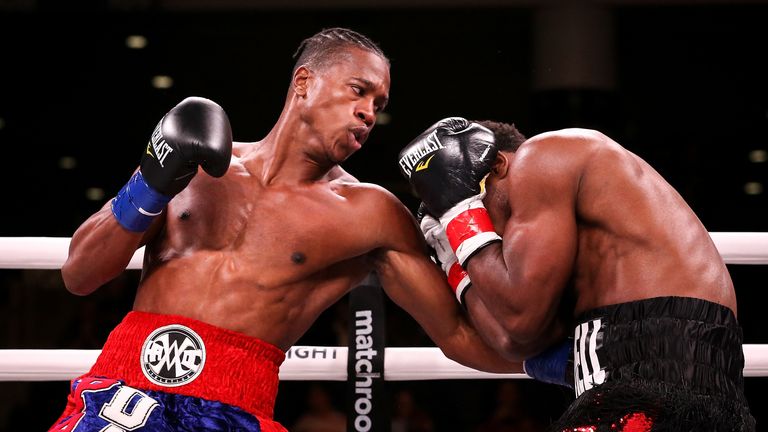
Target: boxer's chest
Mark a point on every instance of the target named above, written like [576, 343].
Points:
[282, 231]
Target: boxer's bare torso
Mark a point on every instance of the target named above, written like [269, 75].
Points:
[286, 232]
[621, 232]
[265, 259]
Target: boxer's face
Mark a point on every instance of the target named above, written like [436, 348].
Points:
[343, 100]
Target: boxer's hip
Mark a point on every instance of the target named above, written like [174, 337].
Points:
[102, 404]
[178, 355]
[677, 362]
[677, 340]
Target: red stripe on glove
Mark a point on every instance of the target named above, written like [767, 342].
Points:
[467, 225]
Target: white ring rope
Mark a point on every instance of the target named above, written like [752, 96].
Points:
[302, 363]
[309, 363]
[51, 252]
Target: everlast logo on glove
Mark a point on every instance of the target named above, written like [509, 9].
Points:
[414, 154]
[450, 183]
[161, 148]
[448, 162]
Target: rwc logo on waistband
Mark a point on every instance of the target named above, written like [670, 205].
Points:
[587, 371]
[411, 159]
[172, 356]
[366, 396]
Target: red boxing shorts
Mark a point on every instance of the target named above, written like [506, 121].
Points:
[170, 373]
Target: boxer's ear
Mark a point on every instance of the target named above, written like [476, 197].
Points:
[500, 166]
[301, 80]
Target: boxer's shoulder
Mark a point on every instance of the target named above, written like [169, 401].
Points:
[240, 149]
[366, 194]
[371, 203]
[570, 136]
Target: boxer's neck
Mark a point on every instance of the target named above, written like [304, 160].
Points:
[286, 157]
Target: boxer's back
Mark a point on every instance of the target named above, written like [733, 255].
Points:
[637, 238]
[262, 259]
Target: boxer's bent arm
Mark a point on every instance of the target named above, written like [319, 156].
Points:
[499, 338]
[486, 324]
[100, 250]
[521, 280]
[519, 285]
[416, 284]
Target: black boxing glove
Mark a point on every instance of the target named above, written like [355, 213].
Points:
[447, 166]
[194, 132]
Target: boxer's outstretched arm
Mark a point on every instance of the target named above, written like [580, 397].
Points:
[416, 284]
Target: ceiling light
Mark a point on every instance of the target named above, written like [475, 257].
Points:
[383, 118]
[753, 188]
[67, 162]
[162, 82]
[758, 156]
[94, 194]
[136, 42]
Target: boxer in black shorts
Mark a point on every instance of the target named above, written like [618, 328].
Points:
[569, 234]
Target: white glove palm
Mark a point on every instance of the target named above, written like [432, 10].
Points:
[434, 234]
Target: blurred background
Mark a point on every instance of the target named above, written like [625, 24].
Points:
[82, 85]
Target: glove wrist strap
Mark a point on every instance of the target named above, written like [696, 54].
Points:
[459, 281]
[469, 228]
[137, 204]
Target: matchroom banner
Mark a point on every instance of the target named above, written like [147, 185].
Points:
[367, 399]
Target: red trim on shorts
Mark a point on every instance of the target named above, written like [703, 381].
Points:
[467, 225]
[635, 422]
[239, 370]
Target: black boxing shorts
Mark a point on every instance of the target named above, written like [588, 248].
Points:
[660, 364]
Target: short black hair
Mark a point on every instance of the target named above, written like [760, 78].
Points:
[508, 138]
[325, 46]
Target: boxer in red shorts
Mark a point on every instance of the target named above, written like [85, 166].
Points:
[240, 260]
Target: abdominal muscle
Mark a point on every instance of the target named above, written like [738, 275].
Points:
[211, 287]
